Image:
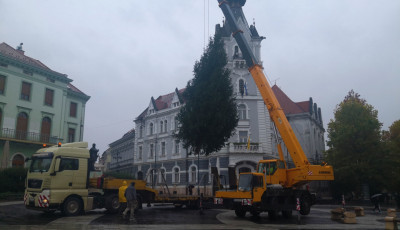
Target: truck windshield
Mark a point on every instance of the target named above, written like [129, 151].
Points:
[245, 182]
[41, 162]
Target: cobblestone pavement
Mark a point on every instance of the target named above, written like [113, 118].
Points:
[168, 219]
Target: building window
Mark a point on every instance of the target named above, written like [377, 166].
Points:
[2, 84]
[151, 151]
[18, 161]
[163, 149]
[175, 177]
[241, 87]
[26, 91]
[140, 152]
[161, 178]
[176, 123]
[141, 131]
[165, 126]
[193, 174]
[151, 129]
[22, 126]
[243, 135]
[176, 147]
[72, 109]
[45, 130]
[48, 97]
[161, 126]
[242, 112]
[71, 135]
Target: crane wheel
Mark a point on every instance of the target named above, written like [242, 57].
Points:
[240, 213]
[272, 214]
[305, 207]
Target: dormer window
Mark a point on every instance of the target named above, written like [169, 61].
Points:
[175, 104]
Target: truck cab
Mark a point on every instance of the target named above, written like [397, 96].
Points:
[58, 176]
[274, 171]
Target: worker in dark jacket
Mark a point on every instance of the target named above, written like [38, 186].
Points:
[130, 195]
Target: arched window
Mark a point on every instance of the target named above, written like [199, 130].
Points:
[45, 130]
[241, 87]
[22, 126]
[161, 126]
[175, 176]
[151, 129]
[150, 176]
[242, 112]
[18, 161]
[193, 174]
[161, 176]
[165, 126]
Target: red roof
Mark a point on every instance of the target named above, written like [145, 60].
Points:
[19, 55]
[74, 89]
[288, 106]
[164, 101]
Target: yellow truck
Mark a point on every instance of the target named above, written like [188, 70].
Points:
[58, 179]
[273, 187]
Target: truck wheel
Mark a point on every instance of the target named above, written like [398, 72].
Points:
[272, 214]
[240, 213]
[72, 207]
[305, 207]
[255, 213]
[287, 213]
[112, 203]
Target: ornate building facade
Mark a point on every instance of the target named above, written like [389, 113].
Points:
[37, 106]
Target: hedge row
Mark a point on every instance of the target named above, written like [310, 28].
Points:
[12, 180]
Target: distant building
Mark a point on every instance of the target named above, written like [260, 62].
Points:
[306, 121]
[121, 153]
[37, 106]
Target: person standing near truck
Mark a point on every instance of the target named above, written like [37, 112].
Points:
[130, 195]
[121, 194]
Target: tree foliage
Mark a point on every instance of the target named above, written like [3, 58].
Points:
[209, 115]
[391, 141]
[354, 141]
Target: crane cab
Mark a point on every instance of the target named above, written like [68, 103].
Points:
[274, 171]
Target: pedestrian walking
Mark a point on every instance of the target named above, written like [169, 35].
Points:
[121, 195]
[130, 195]
[375, 200]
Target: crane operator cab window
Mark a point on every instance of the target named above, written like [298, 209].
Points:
[268, 168]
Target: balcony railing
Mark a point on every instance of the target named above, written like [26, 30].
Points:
[242, 148]
[29, 136]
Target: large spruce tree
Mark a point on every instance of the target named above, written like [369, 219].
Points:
[209, 116]
[354, 141]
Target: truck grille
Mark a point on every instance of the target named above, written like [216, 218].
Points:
[34, 183]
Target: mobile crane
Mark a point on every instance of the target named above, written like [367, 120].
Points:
[273, 187]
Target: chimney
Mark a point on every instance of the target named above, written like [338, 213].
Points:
[19, 49]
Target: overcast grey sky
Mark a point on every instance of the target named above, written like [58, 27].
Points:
[123, 52]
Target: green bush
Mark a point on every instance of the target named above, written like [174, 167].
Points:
[12, 180]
